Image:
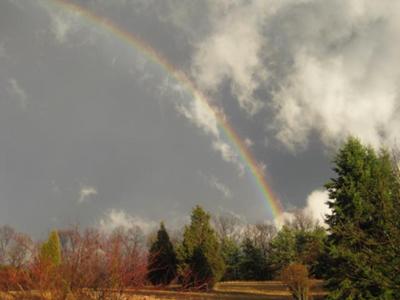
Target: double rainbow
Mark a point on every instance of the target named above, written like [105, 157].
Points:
[226, 128]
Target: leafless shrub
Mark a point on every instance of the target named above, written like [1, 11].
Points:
[295, 276]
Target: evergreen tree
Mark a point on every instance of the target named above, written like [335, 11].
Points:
[313, 254]
[202, 264]
[232, 256]
[252, 262]
[298, 244]
[162, 259]
[202, 275]
[51, 249]
[309, 249]
[364, 262]
[283, 250]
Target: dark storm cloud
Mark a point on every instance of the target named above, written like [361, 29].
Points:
[100, 140]
[92, 131]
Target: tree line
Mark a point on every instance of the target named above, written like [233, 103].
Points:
[357, 254]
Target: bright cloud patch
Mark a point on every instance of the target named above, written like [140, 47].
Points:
[67, 26]
[119, 218]
[229, 154]
[326, 67]
[203, 116]
[17, 93]
[86, 193]
[232, 51]
[316, 208]
[216, 183]
[199, 113]
[63, 23]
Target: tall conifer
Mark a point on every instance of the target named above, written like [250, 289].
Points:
[202, 264]
[162, 259]
[362, 225]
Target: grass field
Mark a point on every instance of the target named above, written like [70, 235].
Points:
[273, 290]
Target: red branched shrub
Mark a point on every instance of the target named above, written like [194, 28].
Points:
[12, 278]
[295, 276]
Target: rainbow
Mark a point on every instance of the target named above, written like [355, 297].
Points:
[139, 44]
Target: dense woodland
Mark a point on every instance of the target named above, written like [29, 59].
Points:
[356, 253]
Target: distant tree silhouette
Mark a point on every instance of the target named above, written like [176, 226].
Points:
[231, 253]
[162, 263]
[252, 262]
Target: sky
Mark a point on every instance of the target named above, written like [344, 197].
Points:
[95, 132]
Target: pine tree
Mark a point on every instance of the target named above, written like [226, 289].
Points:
[298, 244]
[252, 262]
[231, 254]
[202, 264]
[162, 259]
[51, 250]
[362, 196]
[283, 249]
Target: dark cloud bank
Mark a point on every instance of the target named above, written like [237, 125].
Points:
[92, 132]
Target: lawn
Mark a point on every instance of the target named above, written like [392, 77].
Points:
[273, 290]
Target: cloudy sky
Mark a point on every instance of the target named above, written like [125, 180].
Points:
[94, 132]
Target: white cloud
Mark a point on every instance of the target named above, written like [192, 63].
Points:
[229, 155]
[214, 182]
[282, 219]
[17, 93]
[200, 114]
[226, 192]
[262, 167]
[86, 193]
[329, 67]
[65, 24]
[324, 96]
[345, 75]
[193, 107]
[204, 116]
[61, 27]
[118, 218]
[316, 207]
[248, 142]
[232, 51]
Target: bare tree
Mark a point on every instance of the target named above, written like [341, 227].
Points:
[6, 235]
[19, 250]
[228, 226]
[15, 248]
[295, 276]
[265, 233]
[261, 235]
[302, 221]
[130, 245]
